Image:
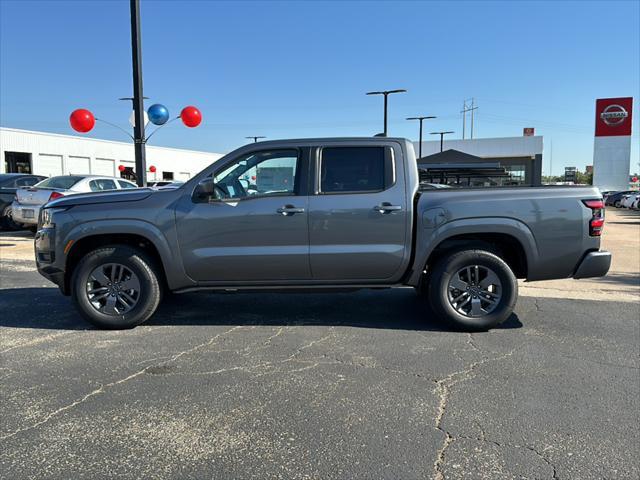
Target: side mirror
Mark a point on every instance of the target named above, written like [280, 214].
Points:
[204, 191]
[207, 190]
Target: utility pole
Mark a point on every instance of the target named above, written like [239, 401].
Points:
[386, 94]
[442, 134]
[464, 111]
[420, 119]
[473, 108]
[138, 100]
[551, 159]
[255, 138]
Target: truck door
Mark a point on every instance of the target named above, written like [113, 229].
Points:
[358, 213]
[248, 220]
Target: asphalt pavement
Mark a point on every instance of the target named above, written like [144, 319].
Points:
[305, 386]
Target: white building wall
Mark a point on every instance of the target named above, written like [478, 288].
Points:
[55, 154]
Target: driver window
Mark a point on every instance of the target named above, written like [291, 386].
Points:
[259, 174]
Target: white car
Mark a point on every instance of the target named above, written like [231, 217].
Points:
[635, 202]
[26, 206]
[627, 200]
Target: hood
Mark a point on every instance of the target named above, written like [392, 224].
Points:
[133, 195]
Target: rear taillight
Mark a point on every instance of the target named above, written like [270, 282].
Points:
[55, 195]
[594, 203]
[596, 222]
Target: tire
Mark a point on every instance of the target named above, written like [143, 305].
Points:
[7, 222]
[116, 267]
[617, 204]
[490, 297]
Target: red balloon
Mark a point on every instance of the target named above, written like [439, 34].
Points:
[82, 120]
[152, 169]
[122, 168]
[191, 116]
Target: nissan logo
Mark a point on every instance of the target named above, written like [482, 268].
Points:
[614, 115]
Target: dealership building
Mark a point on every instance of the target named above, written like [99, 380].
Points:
[50, 154]
[503, 161]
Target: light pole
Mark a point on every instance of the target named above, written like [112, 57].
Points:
[255, 138]
[442, 134]
[83, 120]
[138, 98]
[386, 94]
[421, 119]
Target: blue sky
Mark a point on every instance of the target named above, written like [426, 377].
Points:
[300, 69]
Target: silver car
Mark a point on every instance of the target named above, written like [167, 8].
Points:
[26, 206]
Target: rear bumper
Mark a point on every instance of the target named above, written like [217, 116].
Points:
[27, 214]
[594, 264]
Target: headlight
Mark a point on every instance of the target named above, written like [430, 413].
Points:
[46, 217]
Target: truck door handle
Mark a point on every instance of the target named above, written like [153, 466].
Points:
[289, 210]
[386, 207]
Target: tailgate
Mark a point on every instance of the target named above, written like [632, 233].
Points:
[35, 196]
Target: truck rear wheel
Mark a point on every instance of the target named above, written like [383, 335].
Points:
[116, 287]
[474, 290]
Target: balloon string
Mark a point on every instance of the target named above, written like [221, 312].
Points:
[116, 126]
[164, 124]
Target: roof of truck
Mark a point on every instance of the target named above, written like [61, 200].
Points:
[331, 139]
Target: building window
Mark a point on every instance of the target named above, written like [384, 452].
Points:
[17, 162]
[128, 174]
[167, 176]
[516, 175]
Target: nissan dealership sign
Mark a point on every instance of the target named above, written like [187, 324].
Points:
[612, 145]
[614, 115]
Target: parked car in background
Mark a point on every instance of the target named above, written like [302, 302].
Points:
[173, 183]
[627, 200]
[614, 199]
[161, 183]
[28, 201]
[633, 201]
[9, 183]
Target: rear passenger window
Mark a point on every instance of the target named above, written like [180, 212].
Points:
[125, 184]
[102, 185]
[353, 169]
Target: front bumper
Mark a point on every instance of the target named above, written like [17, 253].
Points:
[26, 214]
[46, 257]
[594, 264]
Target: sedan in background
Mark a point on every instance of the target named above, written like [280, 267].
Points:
[9, 183]
[630, 200]
[614, 199]
[28, 201]
[627, 200]
[160, 183]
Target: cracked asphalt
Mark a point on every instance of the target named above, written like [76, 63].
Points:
[300, 386]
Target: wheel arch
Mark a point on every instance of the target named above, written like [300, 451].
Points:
[86, 244]
[88, 235]
[508, 238]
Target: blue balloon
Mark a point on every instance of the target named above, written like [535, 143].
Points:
[158, 114]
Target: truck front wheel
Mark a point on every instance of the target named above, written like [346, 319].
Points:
[473, 290]
[116, 287]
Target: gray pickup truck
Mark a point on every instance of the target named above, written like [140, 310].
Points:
[318, 214]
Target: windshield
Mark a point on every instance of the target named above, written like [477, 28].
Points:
[63, 183]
